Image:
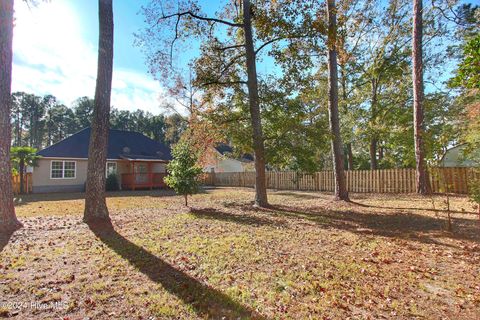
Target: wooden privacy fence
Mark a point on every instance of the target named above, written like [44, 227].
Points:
[27, 183]
[453, 180]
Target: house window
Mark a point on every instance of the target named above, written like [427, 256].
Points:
[141, 168]
[57, 170]
[63, 170]
[111, 168]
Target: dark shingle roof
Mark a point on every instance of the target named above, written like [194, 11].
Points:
[121, 145]
[223, 148]
[226, 150]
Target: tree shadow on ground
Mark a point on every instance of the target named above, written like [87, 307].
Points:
[409, 226]
[298, 195]
[363, 196]
[215, 214]
[206, 301]
[5, 238]
[409, 208]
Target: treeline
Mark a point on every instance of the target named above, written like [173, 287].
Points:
[374, 75]
[297, 135]
[40, 121]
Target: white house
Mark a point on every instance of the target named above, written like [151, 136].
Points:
[220, 158]
[455, 157]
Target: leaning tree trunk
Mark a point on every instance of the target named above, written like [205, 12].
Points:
[95, 204]
[258, 145]
[341, 192]
[8, 220]
[421, 171]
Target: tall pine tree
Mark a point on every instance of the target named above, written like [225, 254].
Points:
[95, 204]
[8, 220]
[417, 57]
[341, 192]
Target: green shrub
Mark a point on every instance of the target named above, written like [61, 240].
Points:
[112, 183]
[183, 171]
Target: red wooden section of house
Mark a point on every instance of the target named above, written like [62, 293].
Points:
[142, 180]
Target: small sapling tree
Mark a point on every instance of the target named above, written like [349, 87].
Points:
[183, 170]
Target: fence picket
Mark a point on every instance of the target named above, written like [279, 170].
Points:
[454, 180]
[27, 183]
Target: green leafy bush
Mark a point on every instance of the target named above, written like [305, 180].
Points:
[112, 183]
[183, 170]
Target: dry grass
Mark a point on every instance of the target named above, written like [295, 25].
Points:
[64, 204]
[306, 257]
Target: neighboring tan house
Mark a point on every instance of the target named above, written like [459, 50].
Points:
[455, 157]
[138, 162]
[220, 159]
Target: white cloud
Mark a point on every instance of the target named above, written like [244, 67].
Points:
[52, 57]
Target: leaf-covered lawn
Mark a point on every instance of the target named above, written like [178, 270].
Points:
[307, 257]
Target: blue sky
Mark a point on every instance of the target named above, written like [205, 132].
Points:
[55, 52]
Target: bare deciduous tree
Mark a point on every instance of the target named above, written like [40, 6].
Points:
[220, 63]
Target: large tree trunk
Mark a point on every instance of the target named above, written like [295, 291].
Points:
[345, 106]
[373, 154]
[337, 149]
[350, 156]
[95, 204]
[258, 146]
[421, 172]
[8, 220]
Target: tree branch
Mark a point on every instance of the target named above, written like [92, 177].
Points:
[267, 43]
[456, 19]
[229, 47]
[220, 83]
[230, 63]
[278, 39]
[175, 39]
[195, 16]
